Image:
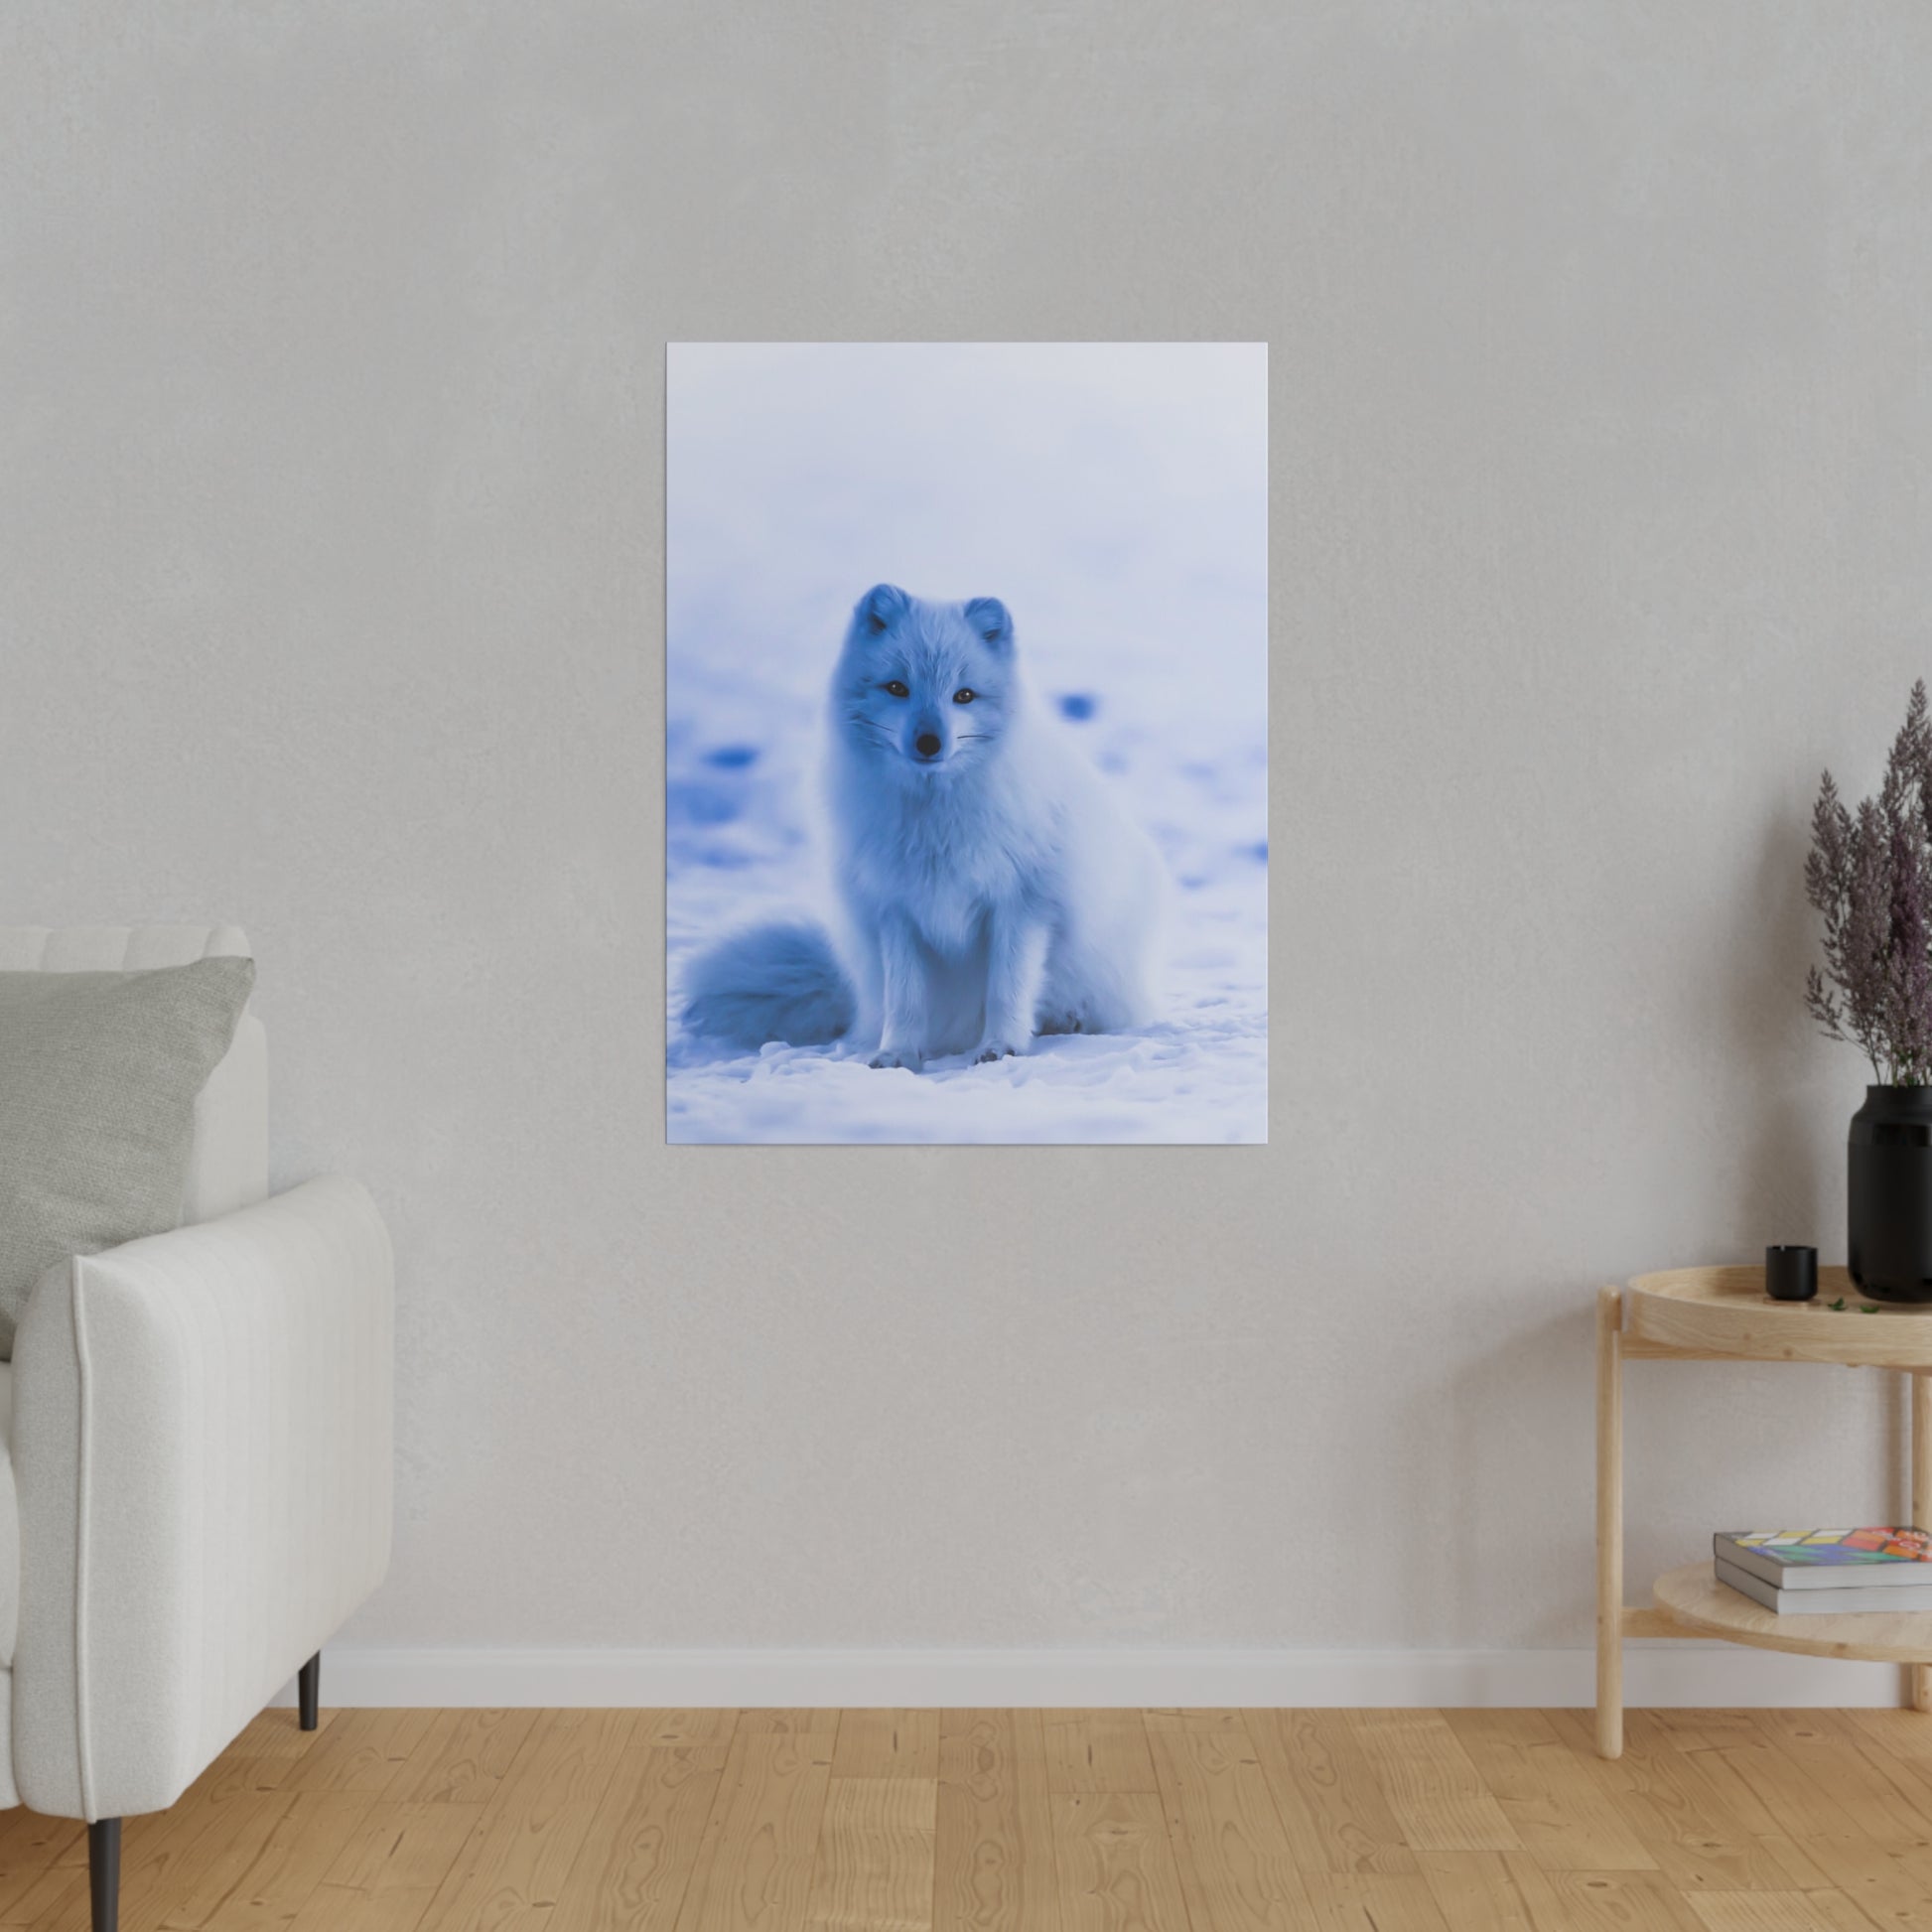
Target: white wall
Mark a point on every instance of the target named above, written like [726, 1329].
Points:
[331, 355]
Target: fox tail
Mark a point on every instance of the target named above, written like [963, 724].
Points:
[781, 981]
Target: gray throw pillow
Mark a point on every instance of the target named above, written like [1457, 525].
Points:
[98, 1076]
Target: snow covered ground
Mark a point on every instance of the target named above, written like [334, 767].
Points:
[1113, 497]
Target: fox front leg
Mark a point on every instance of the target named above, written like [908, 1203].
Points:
[1015, 957]
[902, 989]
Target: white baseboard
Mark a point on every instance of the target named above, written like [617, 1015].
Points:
[1666, 1674]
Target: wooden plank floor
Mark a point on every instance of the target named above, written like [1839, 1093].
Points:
[1022, 1821]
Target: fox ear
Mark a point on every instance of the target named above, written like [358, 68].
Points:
[880, 608]
[991, 619]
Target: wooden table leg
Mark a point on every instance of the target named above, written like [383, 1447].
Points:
[1921, 1674]
[1609, 1522]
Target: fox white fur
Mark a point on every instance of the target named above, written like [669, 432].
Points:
[989, 885]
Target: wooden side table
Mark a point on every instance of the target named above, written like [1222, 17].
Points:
[1707, 1315]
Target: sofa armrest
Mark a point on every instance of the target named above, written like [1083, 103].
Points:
[202, 1450]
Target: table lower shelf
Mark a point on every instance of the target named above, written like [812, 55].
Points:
[1695, 1601]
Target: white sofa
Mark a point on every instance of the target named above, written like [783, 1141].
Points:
[199, 1453]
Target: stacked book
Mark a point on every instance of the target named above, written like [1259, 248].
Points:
[1828, 1573]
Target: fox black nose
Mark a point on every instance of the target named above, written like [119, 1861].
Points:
[928, 745]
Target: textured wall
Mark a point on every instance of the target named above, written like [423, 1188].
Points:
[332, 345]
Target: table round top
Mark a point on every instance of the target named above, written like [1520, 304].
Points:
[1726, 1311]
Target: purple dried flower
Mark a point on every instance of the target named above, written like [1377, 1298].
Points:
[1908, 974]
[1869, 877]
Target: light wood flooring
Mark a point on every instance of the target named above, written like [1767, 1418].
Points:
[1022, 1821]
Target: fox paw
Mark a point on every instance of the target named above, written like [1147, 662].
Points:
[995, 1050]
[911, 1062]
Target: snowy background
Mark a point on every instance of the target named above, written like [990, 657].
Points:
[1115, 496]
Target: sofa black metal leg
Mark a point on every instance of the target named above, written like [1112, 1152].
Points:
[105, 1873]
[308, 1685]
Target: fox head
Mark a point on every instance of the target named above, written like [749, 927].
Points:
[929, 688]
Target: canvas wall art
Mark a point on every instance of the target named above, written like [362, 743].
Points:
[967, 743]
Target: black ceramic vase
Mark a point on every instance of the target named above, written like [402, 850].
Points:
[1890, 1195]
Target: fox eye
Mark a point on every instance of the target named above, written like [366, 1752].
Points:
[964, 696]
[897, 689]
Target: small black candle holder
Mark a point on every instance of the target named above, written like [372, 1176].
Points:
[1791, 1274]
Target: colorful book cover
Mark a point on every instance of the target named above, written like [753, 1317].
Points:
[1822, 1548]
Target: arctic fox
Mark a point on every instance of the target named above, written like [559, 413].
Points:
[989, 885]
